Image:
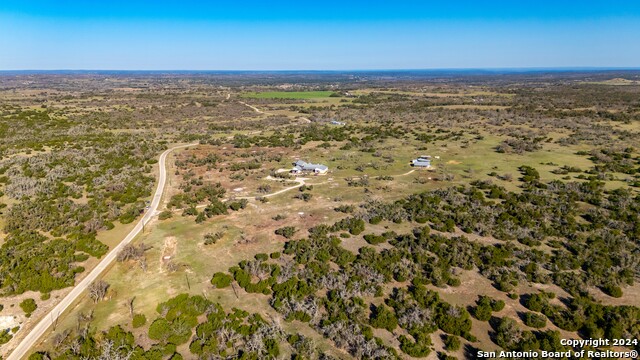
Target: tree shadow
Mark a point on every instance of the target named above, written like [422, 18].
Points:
[470, 351]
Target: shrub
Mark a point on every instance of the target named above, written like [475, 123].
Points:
[138, 320]
[451, 342]
[200, 218]
[374, 239]
[165, 215]
[529, 174]
[383, 318]
[279, 217]
[536, 302]
[497, 305]
[355, 226]
[159, 329]
[212, 238]
[347, 209]
[28, 306]
[237, 205]
[482, 311]
[304, 196]
[612, 290]
[261, 257]
[453, 281]
[221, 280]
[287, 231]
[453, 320]
[190, 211]
[420, 348]
[534, 320]
[216, 207]
[271, 345]
[5, 336]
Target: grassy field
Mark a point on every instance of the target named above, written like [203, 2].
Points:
[181, 239]
[289, 95]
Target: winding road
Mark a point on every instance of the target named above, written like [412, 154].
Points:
[255, 108]
[49, 319]
[300, 182]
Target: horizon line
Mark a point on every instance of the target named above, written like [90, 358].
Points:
[523, 69]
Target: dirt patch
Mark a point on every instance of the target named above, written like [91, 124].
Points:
[10, 321]
[630, 296]
[168, 249]
[453, 162]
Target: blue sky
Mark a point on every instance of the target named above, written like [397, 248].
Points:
[326, 35]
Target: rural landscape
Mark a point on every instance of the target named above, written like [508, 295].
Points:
[318, 215]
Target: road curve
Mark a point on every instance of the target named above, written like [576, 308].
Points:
[300, 182]
[27, 343]
[255, 108]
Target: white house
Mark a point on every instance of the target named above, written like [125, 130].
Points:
[422, 161]
[302, 166]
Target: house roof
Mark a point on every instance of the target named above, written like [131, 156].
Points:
[302, 165]
[421, 162]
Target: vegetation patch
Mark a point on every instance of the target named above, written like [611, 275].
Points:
[291, 95]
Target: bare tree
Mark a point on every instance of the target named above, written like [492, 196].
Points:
[75, 346]
[98, 290]
[132, 252]
[143, 263]
[130, 305]
[172, 266]
[85, 317]
[112, 352]
[59, 338]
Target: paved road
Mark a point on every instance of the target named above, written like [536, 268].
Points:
[27, 343]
